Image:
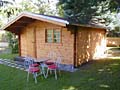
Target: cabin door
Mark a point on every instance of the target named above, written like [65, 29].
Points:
[31, 42]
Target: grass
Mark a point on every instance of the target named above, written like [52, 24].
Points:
[8, 56]
[95, 75]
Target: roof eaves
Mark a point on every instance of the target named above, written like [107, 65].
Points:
[37, 17]
[90, 26]
[13, 20]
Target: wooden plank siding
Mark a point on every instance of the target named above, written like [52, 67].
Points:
[28, 40]
[90, 44]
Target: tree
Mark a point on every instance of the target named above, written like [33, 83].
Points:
[88, 11]
[41, 6]
[3, 5]
[4, 2]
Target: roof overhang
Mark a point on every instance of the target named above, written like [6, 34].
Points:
[26, 18]
[91, 26]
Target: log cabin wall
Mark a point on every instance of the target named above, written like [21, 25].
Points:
[91, 44]
[33, 42]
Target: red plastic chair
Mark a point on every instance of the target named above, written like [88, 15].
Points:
[54, 67]
[29, 61]
[34, 71]
[31, 68]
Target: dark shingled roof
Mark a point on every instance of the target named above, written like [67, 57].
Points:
[56, 17]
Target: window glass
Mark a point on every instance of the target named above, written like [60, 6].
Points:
[53, 36]
[57, 36]
[49, 36]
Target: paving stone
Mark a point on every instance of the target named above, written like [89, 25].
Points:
[65, 67]
[12, 64]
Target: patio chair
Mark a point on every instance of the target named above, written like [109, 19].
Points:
[34, 71]
[29, 61]
[54, 67]
[52, 56]
[31, 68]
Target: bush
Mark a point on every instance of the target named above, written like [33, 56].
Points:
[13, 42]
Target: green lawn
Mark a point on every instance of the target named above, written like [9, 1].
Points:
[8, 56]
[95, 75]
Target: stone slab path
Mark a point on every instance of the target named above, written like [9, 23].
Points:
[13, 64]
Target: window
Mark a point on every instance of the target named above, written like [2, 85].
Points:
[53, 36]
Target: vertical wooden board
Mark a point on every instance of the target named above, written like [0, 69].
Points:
[30, 42]
[40, 40]
[23, 42]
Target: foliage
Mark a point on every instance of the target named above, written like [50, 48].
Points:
[83, 11]
[113, 33]
[3, 5]
[13, 42]
[42, 7]
[4, 2]
[114, 25]
[9, 11]
[60, 10]
[3, 37]
[96, 75]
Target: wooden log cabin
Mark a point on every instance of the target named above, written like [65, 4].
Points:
[40, 34]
